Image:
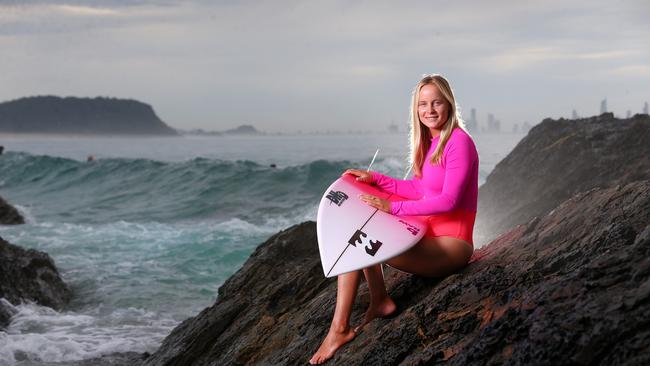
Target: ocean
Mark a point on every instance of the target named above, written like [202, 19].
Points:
[147, 232]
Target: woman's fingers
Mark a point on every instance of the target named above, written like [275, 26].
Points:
[362, 175]
[366, 198]
[375, 202]
[354, 172]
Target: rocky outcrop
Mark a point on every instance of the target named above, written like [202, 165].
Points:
[29, 275]
[70, 115]
[9, 215]
[557, 159]
[569, 288]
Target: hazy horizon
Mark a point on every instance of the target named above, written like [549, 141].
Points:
[291, 65]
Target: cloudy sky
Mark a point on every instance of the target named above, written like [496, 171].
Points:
[318, 65]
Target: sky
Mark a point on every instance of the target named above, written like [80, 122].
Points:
[285, 66]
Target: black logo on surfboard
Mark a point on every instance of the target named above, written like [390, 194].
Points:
[359, 237]
[337, 197]
[414, 230]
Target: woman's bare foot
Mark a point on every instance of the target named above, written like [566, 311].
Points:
[383, 309]
[332, 342]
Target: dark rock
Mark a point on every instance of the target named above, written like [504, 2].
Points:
[557, 159]
[51, 114]
[568, 288]
[6, 312]
[9, 215]
[27, 274]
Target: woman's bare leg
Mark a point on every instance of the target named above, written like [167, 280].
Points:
[340, 332]
[381, 304]
[431, 257]
[434, 257]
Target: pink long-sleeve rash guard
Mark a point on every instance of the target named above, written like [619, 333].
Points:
[449, 186]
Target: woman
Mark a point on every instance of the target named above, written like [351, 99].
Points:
[444, 188]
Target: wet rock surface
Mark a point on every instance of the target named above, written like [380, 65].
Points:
[29, 275]
[9, 215]
[568, 288]
[557, 159]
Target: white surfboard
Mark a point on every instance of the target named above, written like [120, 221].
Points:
[353, 235]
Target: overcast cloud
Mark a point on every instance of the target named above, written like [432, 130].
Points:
[289, 65]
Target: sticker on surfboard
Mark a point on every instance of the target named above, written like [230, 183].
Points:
[353, 235]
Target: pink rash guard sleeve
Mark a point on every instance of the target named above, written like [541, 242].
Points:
[407, 188]
[443, 187]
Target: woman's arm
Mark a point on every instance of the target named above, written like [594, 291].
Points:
[459, 161]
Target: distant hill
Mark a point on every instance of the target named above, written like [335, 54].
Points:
[243, 130]
[70, 115]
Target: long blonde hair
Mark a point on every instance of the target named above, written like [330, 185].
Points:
[420, 135]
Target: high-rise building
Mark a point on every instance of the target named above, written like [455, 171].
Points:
[472, 124]
[645, 108]
[494, 125]
[574, 114]
[603, 106]
[628, 114]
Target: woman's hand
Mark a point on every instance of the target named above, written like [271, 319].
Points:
[362, 175]
[376, 202]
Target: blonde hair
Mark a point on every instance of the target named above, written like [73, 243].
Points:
[420, 135]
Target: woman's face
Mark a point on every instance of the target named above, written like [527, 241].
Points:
[433, 108]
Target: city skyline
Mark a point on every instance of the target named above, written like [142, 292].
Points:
[216, 65]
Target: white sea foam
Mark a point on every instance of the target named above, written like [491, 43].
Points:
[133, 282]
[38, 333]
